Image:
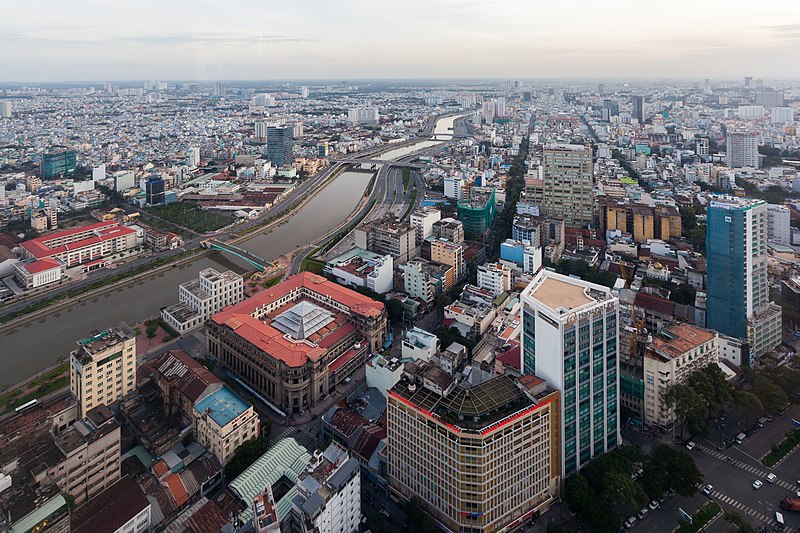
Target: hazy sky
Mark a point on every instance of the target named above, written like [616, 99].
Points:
[66, 40]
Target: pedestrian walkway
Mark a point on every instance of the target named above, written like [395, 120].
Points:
[312, 432]
[760, 517]
[759, 473]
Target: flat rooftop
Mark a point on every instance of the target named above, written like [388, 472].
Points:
[223, 406]
[563, 293]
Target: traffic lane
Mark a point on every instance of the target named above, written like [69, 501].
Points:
[761, 441]
[665, 518]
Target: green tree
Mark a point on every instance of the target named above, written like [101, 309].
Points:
[738, 520]
[750, 404]
[712, 385]
[689, 406]
[771, 395]
[246, 454]
[621, 490]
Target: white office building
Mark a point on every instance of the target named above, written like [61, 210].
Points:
[422, 221]
[419, 344]
[200, 298]
[494, 277]
[570, 339]
[779, 226]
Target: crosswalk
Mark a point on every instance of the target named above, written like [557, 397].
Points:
[760, 517]
[757, 472]
[311, 431]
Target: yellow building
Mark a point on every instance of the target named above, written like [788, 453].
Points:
[447, 253]
[223, 421]
[103, 368]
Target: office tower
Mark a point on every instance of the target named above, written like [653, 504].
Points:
[782, 115]
[758, 83]
[103, 368]
[5, 108]
[154, 188]
[701, 147]
[742, 150]
[55, 164]
[707, 86]
[260, 133]
[479, 459]
[297, 130]
[279, 145]
[220, 89]
[610, 109]
[737, 299]
[526, 96]
[567, 188]
[769, 97]
[193, 157]
[638, 108]
[362, 115]
[748, 81]
[570, 339]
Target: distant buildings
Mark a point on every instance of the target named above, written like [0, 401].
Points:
[357, 116]
[742, 149]
[103, 368]
[738, 289]
[199, 299]
[279, 144]
[297, 341]
[55, 164]
[445, 448]
[567, 188]
[86, 243]
[779, 224]
[638, 108]
[570, 339]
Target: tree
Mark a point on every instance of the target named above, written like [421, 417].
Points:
[712, 385]
[689, 406]
[621, 490]
[772, 396]
[584, 502]
[683, 294]
[737, 519]
[750, 404]
[246, 454]
[670, 468]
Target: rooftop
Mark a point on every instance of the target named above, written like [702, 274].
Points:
[103, 340]
[678, 339]
[222, 405]
[563, 293]
[110, 509]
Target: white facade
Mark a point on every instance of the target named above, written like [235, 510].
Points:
[422, 221]
[494, 277]
[531, 259]
[360, 268]
[779, 224]
[419, 344]
[139, 523]
[733, 350]
[203, 297]
[782, 115]
[750, 112]
[453, 187]
[363, 115]
[35, 274]
[570, 339]
[383, 373]
[742, 150]
[5, 109]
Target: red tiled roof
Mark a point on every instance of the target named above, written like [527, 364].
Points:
[177, 489]
[340, 361]
[511, 357]
[42, 265]
[96, 233]
[160, 468]
[655, 303]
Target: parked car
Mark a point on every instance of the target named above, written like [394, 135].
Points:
[654, 505]
[690, 445]
[757, 484]
[629, 522]
[707, 489]
[641, 513]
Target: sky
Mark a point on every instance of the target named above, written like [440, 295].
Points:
[77, 40]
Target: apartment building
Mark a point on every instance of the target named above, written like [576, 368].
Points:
[103, 368]
[387, 237]
[200, 298]
[494, 277]
[422, 220]
[424, 279]
[222, 421]
[484, 458]
[451, 254]
[566, 190]
[450, 229]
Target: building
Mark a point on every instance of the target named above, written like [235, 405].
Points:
[477, 213]
[742, 150]
[422, 220]
[357, 116]
[450, 229]
[154, 188]
[222, 421]
[5, 108]
[484, 458]
[779, 224]
[674, 353]
[265, 516]
[494, 277]
[279, 144]
[55, 164]
[103, 368]
[34, 274]
[360, 268]
[782, 115]
[769, 97]
[638, 108]
[642, 222]
[121, 508]
[570, 339]
[200, 298]
[424, 280]
[84, 244]
[419, 344]
[610, 109]
[473, 312]
[567, 188]
[737, 298]
[328, 498]
[387, 237]
[447, 253]
[297, 341]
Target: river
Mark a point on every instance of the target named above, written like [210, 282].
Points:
[37, 345]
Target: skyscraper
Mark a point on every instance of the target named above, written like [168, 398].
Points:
[154, 189]
[737, 300]
[567, 190]
[638, 108]
[56, 164]
[362, 115]
[220, 89]
[610, 109]
[279, 145]
[5, 108]
[742, 149]
[569, 339]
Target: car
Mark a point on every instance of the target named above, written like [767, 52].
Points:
[797, 493]
[757, 484]
[630, 521]
[641, 513]
[708, 489]
[654, 505]
[671, 492]
[690, 446]
[771, 477]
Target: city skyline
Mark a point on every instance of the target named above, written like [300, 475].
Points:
[442, 40]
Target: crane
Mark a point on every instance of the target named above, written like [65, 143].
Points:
[636, 322]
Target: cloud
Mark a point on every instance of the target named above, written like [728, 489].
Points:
[221, 39]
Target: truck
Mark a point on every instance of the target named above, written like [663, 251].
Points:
[790, 504]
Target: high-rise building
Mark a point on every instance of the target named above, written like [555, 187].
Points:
[478, 212]
[748, 81]
[450, 229]
[260, 133]
[363, 115]
[737, 300]
[769, 97]
[782, 115]
[742, 149]
[5, 108]
[387, 237]
[103, 368]
[220, 89]
[479, 459]
[494, 277]
[422, 220]
[279, 145]
[610, 109]
[303, 92]
[570, 339]
[567, 188]
[55, 164]
[779, 224]
[638, 108]
[154, 188]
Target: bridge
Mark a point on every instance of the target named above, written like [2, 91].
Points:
[380, 162]
[261, 264]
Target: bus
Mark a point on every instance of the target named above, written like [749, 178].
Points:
[26, 405]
